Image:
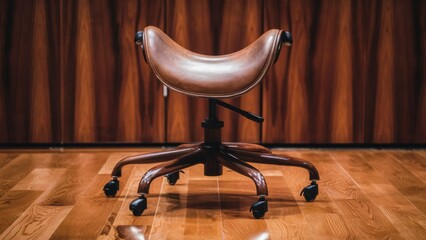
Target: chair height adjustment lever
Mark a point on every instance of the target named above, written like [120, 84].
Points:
[246, 114]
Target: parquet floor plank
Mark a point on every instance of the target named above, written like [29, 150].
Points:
[203, 213]
[119, 223]
[170, 212]
[5, 158]
[404, 216]
[91, 203]
[413, 188]
[13, 204]
[39, 179]
[284, 220]
[237, 194]
[363, 194]
[124, 222]
[415, 162]
[18, 168]
[37, 221]
[81, 169]
[322, 217]
[352, 204]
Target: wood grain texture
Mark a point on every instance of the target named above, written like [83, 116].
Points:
[241, 25]
[13, 204]
[352, 76]
[70, 72]
[420, 25]
[413, 161]
[226, 26]
[364, 194]
[18, 168]
[286, 104]
[183, 112]
[3, 104]
[363, 218]
[121, 221]
[400, 177]
[37, 221]
[171, 223]
[30, 86]
[108, 92]
[406, 218]
[39, 179]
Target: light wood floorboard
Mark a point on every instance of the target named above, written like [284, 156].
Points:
[364, 194]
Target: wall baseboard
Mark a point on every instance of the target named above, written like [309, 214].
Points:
[6, 146]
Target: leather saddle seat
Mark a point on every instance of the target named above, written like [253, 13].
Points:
[210, 76]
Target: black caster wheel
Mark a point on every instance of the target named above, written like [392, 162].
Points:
[138, 205]
[172, 177]
[111, 188]
[259, 208]
[310, 192]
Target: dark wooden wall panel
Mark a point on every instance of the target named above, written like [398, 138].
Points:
[212, 27]
[286, 104]
[109, 94]
[328, 123]
[3, 104]
[241, 25]
[420, 25]
[70, 72]
[29, 74]
[141, 105]
[191, 31]
[352, 76]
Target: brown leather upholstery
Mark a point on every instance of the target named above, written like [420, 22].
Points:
[209, 76]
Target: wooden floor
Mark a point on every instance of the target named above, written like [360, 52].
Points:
[364, 194]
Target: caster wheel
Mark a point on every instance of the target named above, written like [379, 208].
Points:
[138, 205]
[259, 208]
[172, 177]
[310, 192]
[111, 188]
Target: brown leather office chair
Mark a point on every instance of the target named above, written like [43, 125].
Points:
[211, 77]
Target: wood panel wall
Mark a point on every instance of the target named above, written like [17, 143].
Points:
[70, 72]
[225, 27]
[109, 93]
[30, 82]
[354, 75]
